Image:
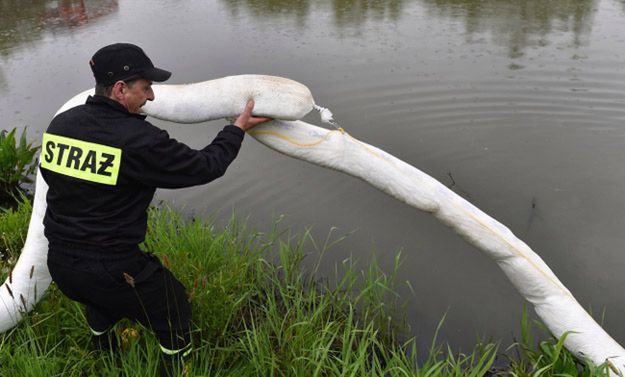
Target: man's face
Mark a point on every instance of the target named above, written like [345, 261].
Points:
[137, 94]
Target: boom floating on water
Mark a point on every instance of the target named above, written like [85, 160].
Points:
[286, 101]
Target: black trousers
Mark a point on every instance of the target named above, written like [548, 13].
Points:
[116, 283]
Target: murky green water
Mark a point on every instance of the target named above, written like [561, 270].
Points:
[518, 105]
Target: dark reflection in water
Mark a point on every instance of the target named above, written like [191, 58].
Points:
[518, 24]
[346, 12]
[3, 82]
[298, 9]
[71, 14]
[356, 12]
[25, 21]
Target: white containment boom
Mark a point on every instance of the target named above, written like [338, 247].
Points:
[336, 149]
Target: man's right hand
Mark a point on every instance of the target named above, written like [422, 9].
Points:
[246, 121]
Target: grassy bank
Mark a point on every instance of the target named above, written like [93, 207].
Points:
[258, 311]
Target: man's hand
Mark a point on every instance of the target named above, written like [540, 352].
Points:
[246, 121]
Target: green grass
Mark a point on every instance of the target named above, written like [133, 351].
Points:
[17, 165]
[13, 230]
[260, 311]
[548, 357]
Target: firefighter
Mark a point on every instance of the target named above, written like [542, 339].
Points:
[103, 162]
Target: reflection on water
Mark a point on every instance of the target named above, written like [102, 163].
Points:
[70, 14]
[356, 12]
[515, 24]
[298, 9]
[518, 24]
[23, 22]
[346, 12]
[3, 82]
[19, 22]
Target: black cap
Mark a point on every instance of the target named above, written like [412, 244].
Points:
[123, 61]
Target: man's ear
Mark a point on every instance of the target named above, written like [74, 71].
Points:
[118, 90]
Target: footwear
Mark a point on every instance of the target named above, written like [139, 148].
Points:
[172, 362]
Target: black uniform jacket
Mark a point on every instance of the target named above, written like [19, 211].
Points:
[103, 165]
